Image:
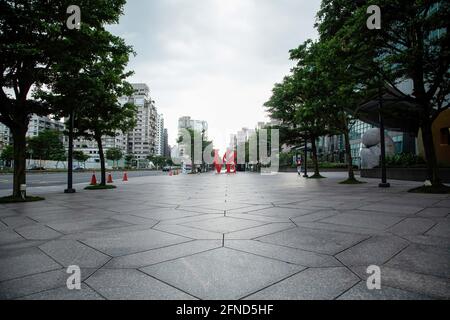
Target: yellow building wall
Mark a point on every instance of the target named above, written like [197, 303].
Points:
[442, 150]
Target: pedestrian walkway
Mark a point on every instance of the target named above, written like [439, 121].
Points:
[242, 236]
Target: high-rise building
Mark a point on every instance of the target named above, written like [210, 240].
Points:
[160, 135]
[5, 136]
[191, 124]
[142, 141]
[90, 148]
[167, 149]
[188, 123]
[38, 124]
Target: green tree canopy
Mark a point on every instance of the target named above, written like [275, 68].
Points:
[35, 45]
[80, 157]
[114, 154]
[413, 45]
[7, 153]
[47, 145]
[100, 86]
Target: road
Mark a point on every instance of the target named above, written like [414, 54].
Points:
[56, 179]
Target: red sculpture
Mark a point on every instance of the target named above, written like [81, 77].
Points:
[217, 163]
[230, 159]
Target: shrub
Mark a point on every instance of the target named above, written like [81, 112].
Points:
[404, 160]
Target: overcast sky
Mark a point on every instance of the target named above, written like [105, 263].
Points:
[214, 60]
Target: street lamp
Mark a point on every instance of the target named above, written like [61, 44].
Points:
[306, 158]
[384, 183]
[203, 160]
[379, 76]
[70, 188]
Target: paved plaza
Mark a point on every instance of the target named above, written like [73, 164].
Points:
[243, 236]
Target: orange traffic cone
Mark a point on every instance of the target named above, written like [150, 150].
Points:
[110, 179]
[125, 177]
[93, 179]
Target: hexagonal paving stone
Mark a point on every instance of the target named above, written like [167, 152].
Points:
[23, 262]
[38, 232]
[224, 224]
[365, 221]
[85, 293]
[290, 255]
[132, 242]
[423, 259]
[70, 252]
[360, 292]
[147, 258]
[321, 241]
[132, 285]
[222, 273]
[311, 284]
[373, 251]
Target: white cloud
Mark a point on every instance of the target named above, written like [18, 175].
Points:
[214, 60]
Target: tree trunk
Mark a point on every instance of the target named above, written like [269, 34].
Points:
[20, 162]
[314, 157]
[348, 153]
[102, 160]
[430, 154]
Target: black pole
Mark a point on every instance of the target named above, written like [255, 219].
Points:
[203, 160]
[306, 158]
[384, 183]
[70, 188]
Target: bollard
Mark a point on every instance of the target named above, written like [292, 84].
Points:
[23, 191]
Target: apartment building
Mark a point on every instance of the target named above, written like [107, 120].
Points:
[142, 141]
[160, 135]
[38, 124]
[187, 123]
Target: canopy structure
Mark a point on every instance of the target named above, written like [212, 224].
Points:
[400, 112]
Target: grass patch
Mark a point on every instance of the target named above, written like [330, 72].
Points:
[431, 190]
[352, 181]
[11, 199]
[317, 176]
[100, 187]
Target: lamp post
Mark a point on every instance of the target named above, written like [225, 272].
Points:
[384, 183]
[306, 158]
[70, 188]
[203, 160]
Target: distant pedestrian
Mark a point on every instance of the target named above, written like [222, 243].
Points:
[299, 166]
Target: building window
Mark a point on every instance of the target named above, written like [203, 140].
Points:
[445, 136]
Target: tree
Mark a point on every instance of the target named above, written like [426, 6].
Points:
[46, 146]
[194, 135]
[294, 103]
[59, 156]
[158, 161]
[105, 118]
[34, 43]
[80, 156]
[7, 154]
[99, 88]
[336, 93]
[129, 159]
[412, 44]
[115, 155]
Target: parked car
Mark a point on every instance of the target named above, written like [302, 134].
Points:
[37, 169]
[79, 169]
[166, 169]
[187, 168]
